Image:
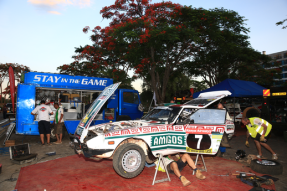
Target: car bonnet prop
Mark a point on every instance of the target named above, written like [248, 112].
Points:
[95, 108]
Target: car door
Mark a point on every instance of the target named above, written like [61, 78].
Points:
[204, 131]
[129, 103]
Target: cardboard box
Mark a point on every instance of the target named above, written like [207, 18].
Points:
[71, 96]
[9, 143]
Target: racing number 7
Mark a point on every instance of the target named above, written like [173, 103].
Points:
[199, 137]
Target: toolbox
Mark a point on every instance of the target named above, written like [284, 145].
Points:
[20, 154]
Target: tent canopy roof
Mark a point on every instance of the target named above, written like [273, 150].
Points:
[238, 88]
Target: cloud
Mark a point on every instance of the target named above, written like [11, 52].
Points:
[54, 12]
[54, 3]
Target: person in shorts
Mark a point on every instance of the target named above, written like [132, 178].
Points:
[43, 112]
[59, 123]
[175, 165]
[259, 129]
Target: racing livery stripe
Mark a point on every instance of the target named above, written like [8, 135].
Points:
[167, 147]
[147, 134]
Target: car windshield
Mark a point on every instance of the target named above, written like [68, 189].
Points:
[200, 102]
[163, 114]
[209, 116]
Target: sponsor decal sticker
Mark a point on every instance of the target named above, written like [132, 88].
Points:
[198, 131]
[216, 136]
[198, 151]
[220, 129]
[167, 140]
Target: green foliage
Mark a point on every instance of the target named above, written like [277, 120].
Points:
[166, 43]
[198, 85]
[167, 40]
[88, 68]
[229, 55]
[281, 23]
[4, 73]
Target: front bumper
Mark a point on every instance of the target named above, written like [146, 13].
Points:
[81, 148]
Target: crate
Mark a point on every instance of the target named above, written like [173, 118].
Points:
[20, 154]
[9, 143]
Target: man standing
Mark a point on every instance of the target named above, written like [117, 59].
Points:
[220, 106]
[44, 121]
[259, 129]
[59, 121]
[175, 166]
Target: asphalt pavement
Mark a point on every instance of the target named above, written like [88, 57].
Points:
[10, 171]
[277, 143]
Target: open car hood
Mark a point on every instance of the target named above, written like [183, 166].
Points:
[207, 98]
[95, 108]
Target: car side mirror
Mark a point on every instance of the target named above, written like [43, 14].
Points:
[191, 121]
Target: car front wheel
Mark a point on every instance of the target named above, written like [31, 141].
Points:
[129, 160]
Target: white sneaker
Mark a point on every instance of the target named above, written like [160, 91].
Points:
[259, 156]
[274, 157]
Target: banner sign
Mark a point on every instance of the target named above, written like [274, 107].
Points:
[198, 151]
[66, 81]
[198, 131]
[266, 92]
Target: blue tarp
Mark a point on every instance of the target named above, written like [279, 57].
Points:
[238, 88]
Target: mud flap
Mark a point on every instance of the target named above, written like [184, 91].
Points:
[224, 141]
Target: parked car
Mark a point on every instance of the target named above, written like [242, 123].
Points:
[188, 128]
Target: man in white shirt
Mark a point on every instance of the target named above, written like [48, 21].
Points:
[43, 112]
[59, 121]
[220, 106]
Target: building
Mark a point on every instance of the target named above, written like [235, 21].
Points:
[280, 57]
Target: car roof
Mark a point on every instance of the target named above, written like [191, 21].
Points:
[200, 102]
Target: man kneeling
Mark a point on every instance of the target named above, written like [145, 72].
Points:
[175, 166]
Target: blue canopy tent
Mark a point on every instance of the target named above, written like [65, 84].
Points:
[238, 88]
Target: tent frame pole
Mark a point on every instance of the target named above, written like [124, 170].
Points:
[234, 110]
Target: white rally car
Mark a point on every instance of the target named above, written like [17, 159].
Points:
[188, 128]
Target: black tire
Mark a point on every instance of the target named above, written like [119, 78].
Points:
[123, 118]
[129, 151]
[251, 112]
[275, 169]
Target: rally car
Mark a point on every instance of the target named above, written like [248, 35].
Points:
[184, 128]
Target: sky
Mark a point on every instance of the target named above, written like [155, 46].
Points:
[43, 34]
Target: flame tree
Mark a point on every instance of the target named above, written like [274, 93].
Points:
[156, 40]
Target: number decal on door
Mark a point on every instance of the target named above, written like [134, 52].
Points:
[199, 137]
[198, 141]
